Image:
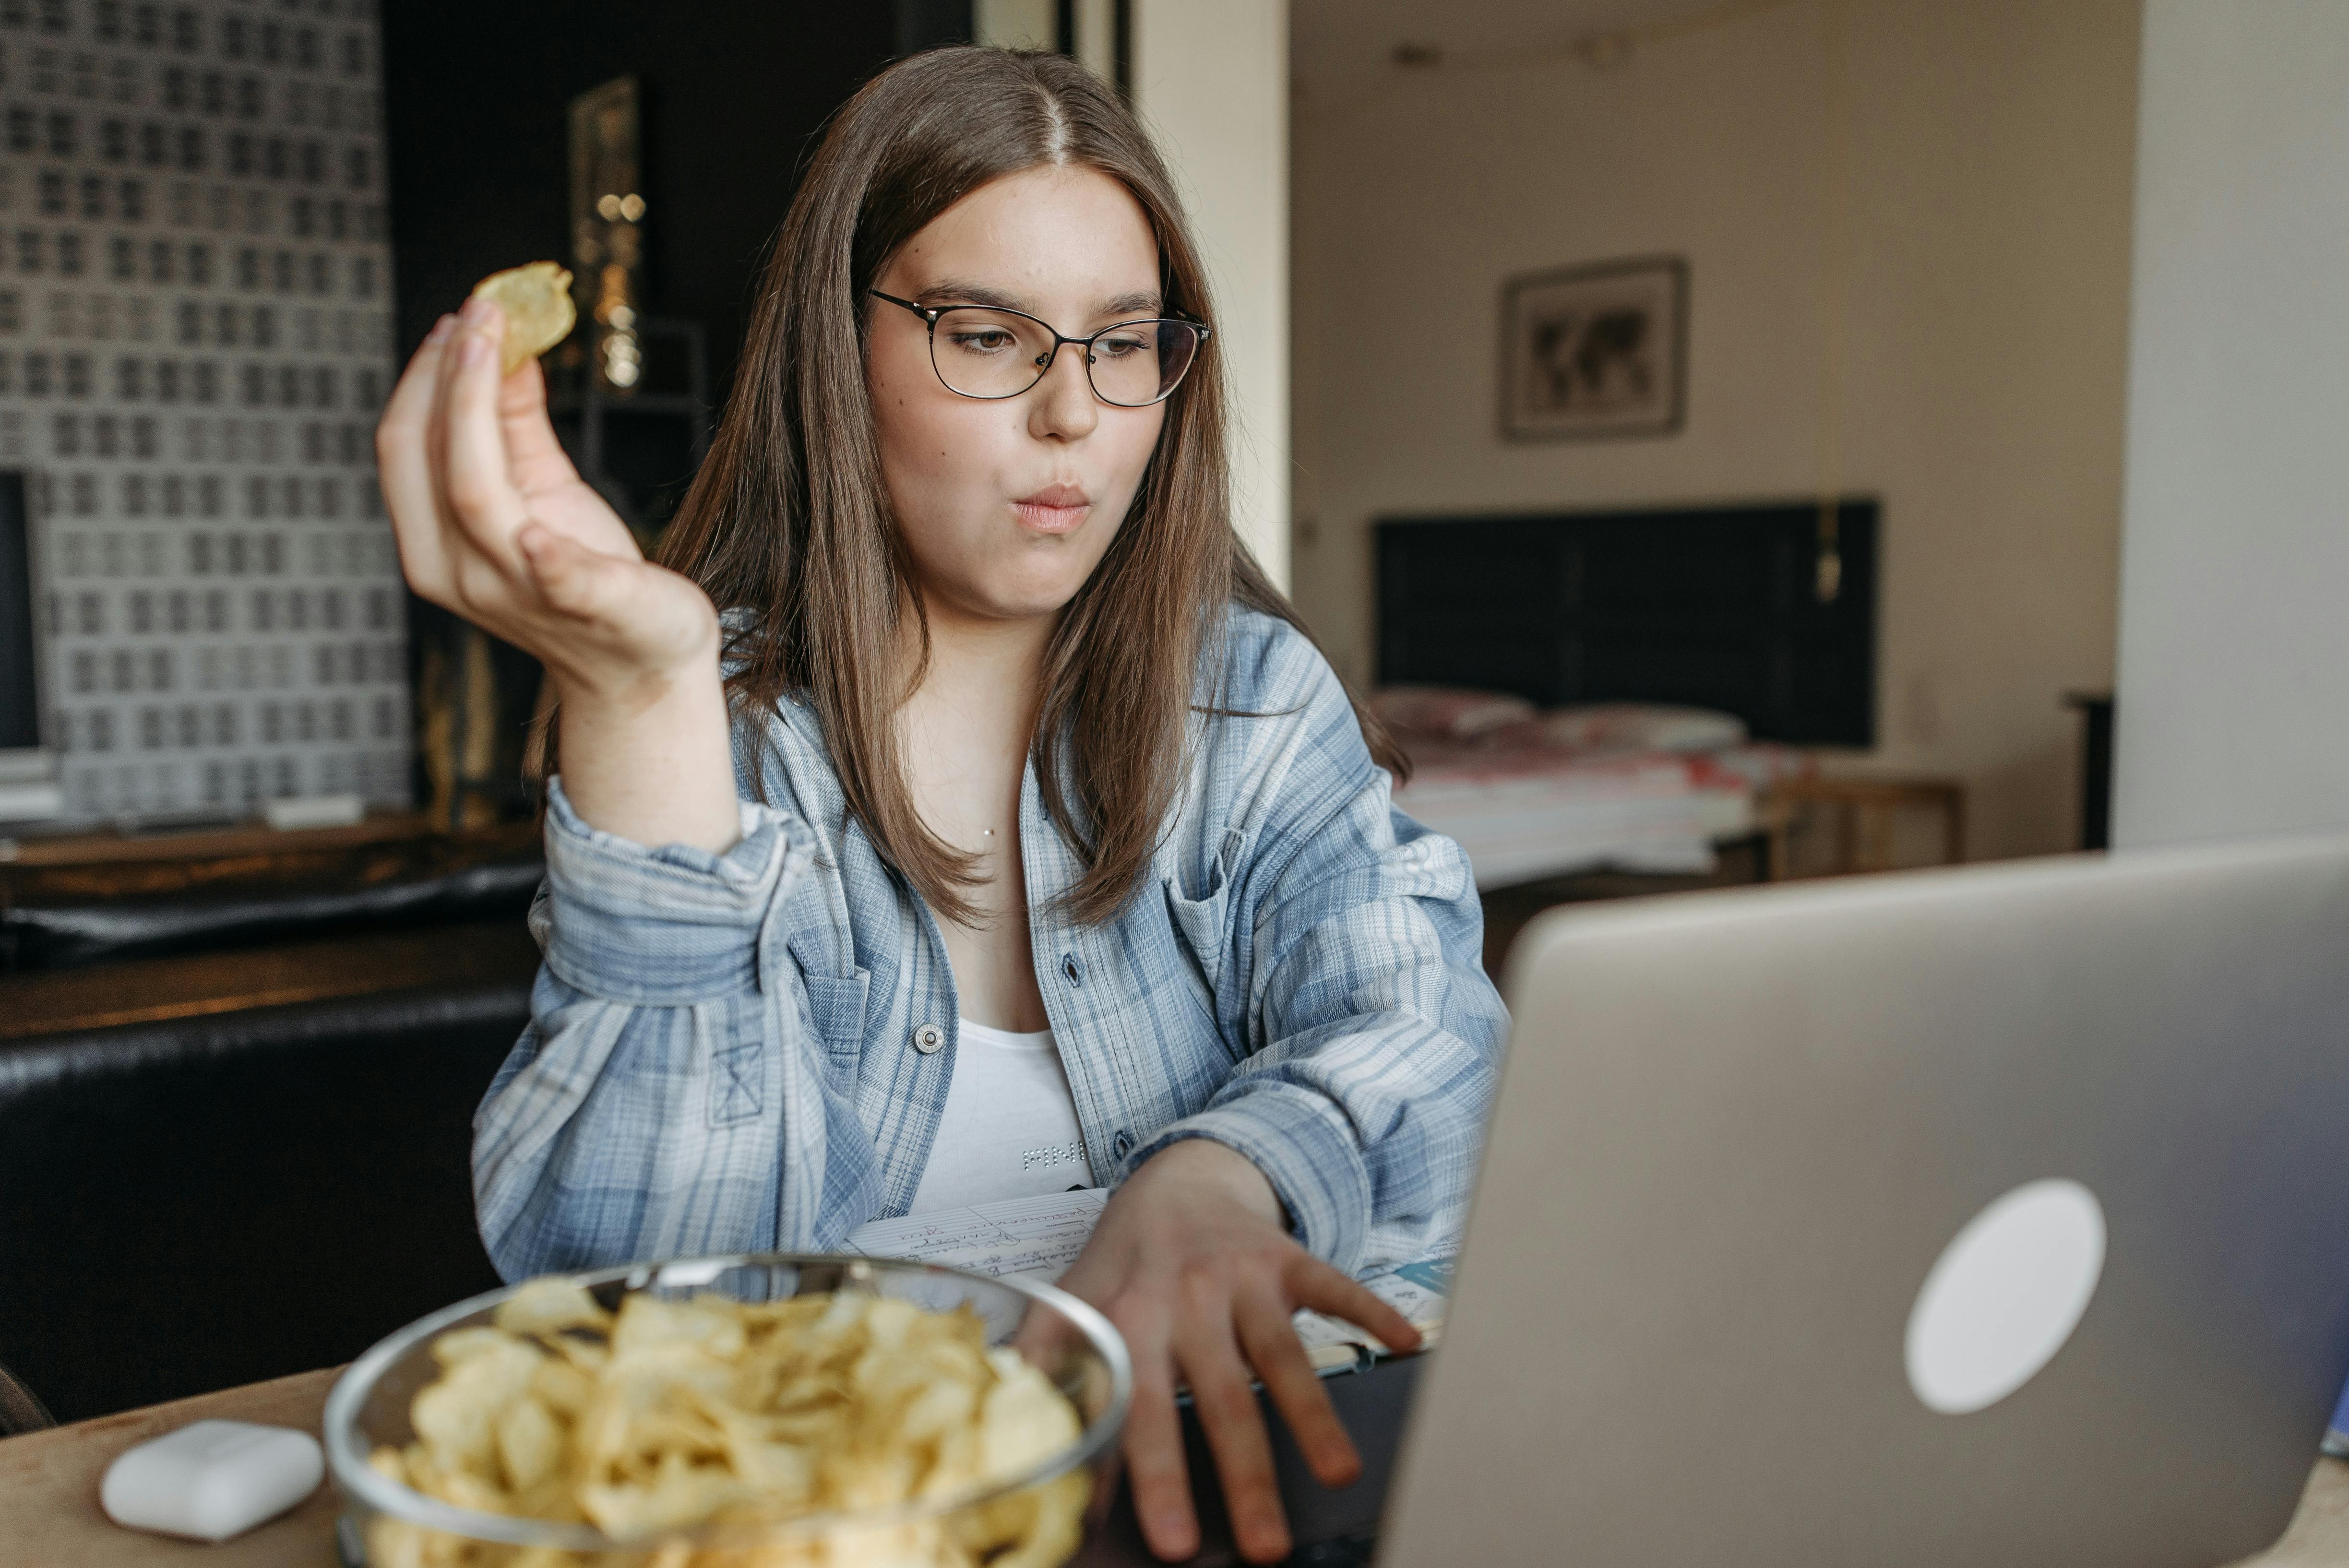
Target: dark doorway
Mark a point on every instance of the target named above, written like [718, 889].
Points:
[476, 96]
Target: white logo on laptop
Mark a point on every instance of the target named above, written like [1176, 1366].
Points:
[2005, 1296]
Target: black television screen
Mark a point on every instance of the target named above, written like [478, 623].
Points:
[20, 708]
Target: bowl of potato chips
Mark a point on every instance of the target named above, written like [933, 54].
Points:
[752, 1411]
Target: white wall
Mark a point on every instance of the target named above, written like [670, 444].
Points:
[1979, 391]
[2234, 642]
[1016, 24]
[1211, 81]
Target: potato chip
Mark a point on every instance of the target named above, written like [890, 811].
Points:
[529, 1443]
[536, 300]
[548, 1306]
[1025, 1421]
[649, 1324]
[1056, 1524]
[675, 1412]
[461, 1344]
[455, 1416]
[938, 1407]
[563, 1387]
[678, 1491]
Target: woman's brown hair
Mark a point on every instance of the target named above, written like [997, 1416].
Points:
[788, 518]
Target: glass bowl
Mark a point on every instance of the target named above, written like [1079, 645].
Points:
[1075, 1346]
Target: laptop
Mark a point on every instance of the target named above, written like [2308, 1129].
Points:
[1997, 1214]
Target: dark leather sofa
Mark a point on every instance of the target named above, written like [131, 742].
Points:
[208, 1199]
[60, 934]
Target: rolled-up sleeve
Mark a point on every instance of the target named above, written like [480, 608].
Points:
[666, 1098]
[1377, 1035]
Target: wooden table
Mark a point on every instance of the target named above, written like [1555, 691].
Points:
[48, 1488]
[1865, 807]
[49, 1513]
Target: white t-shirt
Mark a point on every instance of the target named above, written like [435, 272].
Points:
[1010, 1125]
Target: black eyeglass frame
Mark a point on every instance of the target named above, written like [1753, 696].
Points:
[930, 313]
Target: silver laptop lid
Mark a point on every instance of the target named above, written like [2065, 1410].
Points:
[1736, 1133]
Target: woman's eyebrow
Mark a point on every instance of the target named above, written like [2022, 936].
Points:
[954, 291]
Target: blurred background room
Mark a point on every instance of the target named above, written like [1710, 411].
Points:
[1706, 428]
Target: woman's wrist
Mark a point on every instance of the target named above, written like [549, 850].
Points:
[648, 757]
[590, 674]
[1203, 1161]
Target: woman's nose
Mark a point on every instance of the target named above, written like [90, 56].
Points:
[1063, 407]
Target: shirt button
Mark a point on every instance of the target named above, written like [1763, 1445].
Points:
[1072, 969]
[1122, 1145]
[928, 1038]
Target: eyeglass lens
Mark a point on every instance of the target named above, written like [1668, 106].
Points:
[983, 353]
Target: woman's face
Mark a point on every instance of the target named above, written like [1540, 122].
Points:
[1006, 506]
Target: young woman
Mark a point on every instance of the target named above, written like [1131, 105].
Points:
[1004, 833]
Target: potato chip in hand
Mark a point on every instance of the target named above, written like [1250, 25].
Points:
[537, 303]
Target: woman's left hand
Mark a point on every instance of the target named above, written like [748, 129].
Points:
[1192, 1262]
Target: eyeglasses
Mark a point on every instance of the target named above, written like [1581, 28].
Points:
[980, 351]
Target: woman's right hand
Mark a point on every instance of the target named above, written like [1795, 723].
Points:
[494, 523]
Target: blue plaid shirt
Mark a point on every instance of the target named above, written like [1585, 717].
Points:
[721, 1054]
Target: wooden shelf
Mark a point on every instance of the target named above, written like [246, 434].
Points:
[89, 867]
[156, 990]
[242, 839]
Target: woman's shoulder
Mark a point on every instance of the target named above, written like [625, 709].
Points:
[1270, 665]
[1282, 736]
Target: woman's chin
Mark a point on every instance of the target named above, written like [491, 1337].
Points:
[1026, 601]
[1036, 607]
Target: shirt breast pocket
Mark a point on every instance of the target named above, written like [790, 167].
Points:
[836, 1009]
[1204, 922]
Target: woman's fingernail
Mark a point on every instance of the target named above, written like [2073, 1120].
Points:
[476, 310]
[442, 329]
[471, 350]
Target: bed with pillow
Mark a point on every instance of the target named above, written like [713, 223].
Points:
[1615, 691]
[1532, 793]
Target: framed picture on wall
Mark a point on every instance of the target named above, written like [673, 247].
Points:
[1596, 352]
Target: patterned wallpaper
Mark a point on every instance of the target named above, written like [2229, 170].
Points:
[195, 337]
